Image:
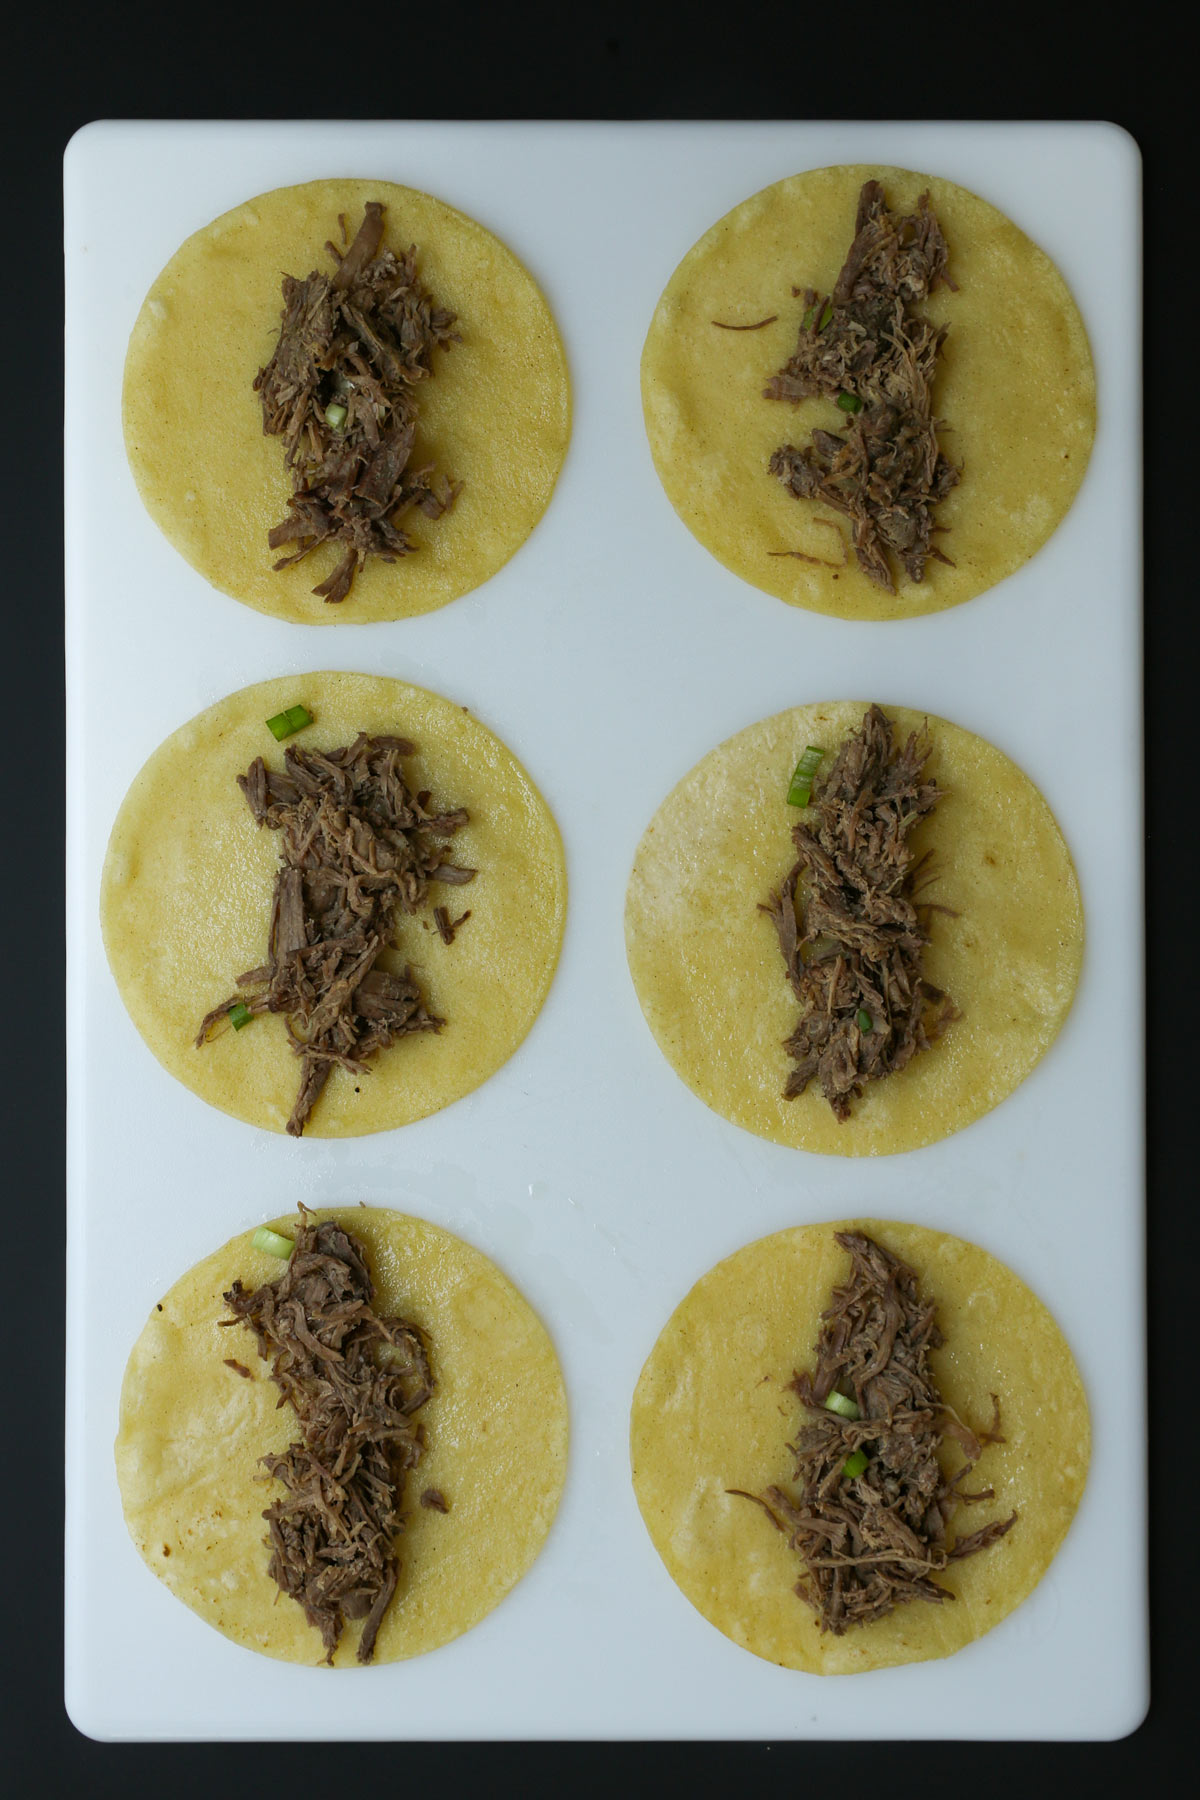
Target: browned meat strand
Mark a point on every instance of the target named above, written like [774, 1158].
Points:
[887, 471]
[340, 389]
[355, 844]
[853, 945]
[873, 1541]
[332, 1533]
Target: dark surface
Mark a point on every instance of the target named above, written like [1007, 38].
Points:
[65, 68]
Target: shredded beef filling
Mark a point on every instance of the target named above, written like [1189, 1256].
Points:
[355, 1382]
[873, 1541]
[852, 945]
[354, 844]
[340, 390]
[866, 346]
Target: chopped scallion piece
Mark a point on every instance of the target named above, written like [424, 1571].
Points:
[800, 792]
[862, 1019]
[273, 1242]
[826, 315]
[293, 718]
[841, 1403]
[849, 403]
[809, 318]
[335, 415]
[854, 1465]
[239, 1015]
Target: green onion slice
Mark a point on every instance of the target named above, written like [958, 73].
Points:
[841, 1403]
[809, 318]
[273, 1242]
[335, 415]
[849, 403]
[800, 792]
[293, 718]
[862, 1019]
[239, 1015]
[826, 315]
[854, 1465]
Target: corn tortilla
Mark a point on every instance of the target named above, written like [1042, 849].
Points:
[192, 1430]
[186, 900]
[711, 1413]
[1016, 388]
[711, 981]
[495, 416]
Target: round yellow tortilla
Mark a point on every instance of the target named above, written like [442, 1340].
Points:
[1016, 389]
[495, 416]
[186, 904]
[192, 1431]
[711, 1413]
[710, 977]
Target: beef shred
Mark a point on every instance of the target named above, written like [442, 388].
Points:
[873, 1541]
[867, 344]
[355, 1382]
[340, 390]
[355, 844]
[853, 947]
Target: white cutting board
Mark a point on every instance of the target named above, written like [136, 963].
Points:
[610, 654]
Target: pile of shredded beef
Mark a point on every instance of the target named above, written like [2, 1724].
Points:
[871, 1542]
[853, 945]
[361, 339]
[865, 341]
[332, 1535]
[355, 844]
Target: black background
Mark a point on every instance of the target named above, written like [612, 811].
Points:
[816, 60]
